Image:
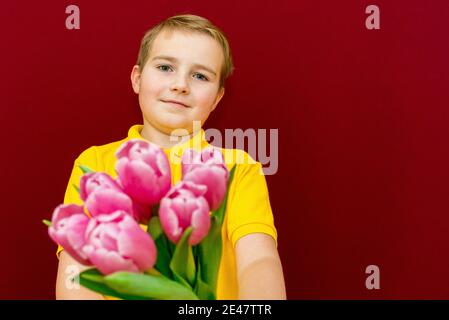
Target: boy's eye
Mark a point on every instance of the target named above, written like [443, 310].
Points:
[163, 67]
[166, 67]
[202, 77]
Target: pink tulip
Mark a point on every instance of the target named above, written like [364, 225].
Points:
[143, 170]
[69, 224]
[207, 168]
[92, 181]
[182, 207]
[115, 242]
[106, 200]
[102, 194]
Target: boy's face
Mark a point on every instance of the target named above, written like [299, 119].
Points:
[183, 67]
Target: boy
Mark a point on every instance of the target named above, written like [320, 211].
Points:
[179, 78]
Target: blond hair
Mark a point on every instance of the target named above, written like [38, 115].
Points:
[193, 23]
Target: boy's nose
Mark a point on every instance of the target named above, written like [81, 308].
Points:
[180, 86]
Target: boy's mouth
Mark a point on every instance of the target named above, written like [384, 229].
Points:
[176, 103]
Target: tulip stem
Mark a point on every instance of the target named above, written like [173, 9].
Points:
[155, 210]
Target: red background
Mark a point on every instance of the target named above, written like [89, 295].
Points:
[362, 118]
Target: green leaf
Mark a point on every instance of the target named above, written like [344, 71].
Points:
[163, 256]
[47, 223]
[209, 254]
[92, 279]
[153, 272]
[182, 263]
[220, 212]
[148, 286]
[85, 169]
[162, 245]
[202, 289]
[76, 188]
[210, 248]
[155, 228]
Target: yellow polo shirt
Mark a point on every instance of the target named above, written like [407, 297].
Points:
[248, 208]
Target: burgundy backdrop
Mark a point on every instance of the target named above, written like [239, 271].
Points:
[362, 118]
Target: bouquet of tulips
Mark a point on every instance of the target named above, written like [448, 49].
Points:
[178, 256]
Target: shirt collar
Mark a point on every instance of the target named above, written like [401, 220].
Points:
[197, 142]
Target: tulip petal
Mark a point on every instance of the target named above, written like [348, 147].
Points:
[139, 181]
[179, 205]
[144, 171]
[110, 261]
[136, 244]
[163, 164]
[92, 181]
[215, 179]
[112, 217]
[169, 221]
[200, 222]
[68, 228]
[123, 150]
[76, 230]
[61, 239]
[108, 236]
[64, 211]
[105, 200]
[83, 181]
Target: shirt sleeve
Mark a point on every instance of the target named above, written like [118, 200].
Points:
[87, 158]
[249, 209]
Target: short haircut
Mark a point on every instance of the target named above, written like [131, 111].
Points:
[193, 23]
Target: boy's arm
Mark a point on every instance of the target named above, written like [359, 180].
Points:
[259, 268]
[65, 290]
[67, 265]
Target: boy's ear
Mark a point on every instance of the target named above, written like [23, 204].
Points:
[135, 78]
[220, 95]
